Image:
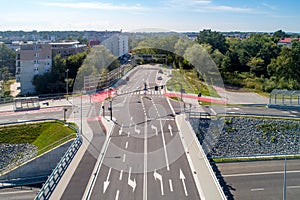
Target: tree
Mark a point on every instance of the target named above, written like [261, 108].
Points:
[8, 59]
[215, 39]
[256, 65]
[278, 35]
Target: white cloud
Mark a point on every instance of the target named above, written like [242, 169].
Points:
[93, 5]
[269, 6]
[231, 9]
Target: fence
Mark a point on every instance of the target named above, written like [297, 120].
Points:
[49, 186]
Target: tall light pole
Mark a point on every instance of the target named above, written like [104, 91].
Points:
[67, 76]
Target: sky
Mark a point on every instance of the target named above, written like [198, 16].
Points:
[133, 15]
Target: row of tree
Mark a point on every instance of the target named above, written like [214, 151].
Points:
[256, 62]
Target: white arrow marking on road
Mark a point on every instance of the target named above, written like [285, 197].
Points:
[137, 130]
[154, 128]
[159, 177]
[106, 183]
[170, 129]
[130, 182]
[182, 177]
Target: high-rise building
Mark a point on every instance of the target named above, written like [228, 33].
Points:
[36, 58]
[117, 44]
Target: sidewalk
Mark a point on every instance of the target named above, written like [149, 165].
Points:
[208, 184]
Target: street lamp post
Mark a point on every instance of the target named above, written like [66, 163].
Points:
[67, 76]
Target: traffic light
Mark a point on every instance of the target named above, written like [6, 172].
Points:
[156, 88]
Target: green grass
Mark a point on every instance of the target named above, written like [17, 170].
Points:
[190, 83]
[43, 135]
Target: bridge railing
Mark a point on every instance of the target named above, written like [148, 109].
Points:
[52, 181]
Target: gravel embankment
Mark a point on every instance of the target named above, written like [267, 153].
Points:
[247, 136]
[14, 154]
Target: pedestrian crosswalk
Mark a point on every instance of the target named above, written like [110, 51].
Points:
[142, 92]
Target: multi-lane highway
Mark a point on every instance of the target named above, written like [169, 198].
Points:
[262, 180]
[145, 158]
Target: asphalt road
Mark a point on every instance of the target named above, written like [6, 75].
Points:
[45, 113]
[251, 110]
[19, 193]
[261, 179]
[145, 157]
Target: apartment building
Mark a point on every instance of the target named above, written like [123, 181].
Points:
[117, 44]
[36, 58]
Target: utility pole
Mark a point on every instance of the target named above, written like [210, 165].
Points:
[67, 87]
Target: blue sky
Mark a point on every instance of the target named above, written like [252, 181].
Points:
[132, 15]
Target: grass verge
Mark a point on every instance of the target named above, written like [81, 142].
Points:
[43, 135]
[190, 83]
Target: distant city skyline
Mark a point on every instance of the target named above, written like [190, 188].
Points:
[133, 15]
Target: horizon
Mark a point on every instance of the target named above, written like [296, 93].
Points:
[172, 15]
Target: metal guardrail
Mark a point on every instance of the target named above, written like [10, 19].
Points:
[52, 181]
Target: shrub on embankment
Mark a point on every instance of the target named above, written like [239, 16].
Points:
[20, 143]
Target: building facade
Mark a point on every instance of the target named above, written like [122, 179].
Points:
[117, 44]
[36, 59]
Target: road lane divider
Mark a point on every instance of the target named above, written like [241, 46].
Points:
[170, 129]
[171, 185]
[121, 175]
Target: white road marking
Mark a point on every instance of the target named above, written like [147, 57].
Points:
[163, 136]
[106, 183]
[154, 128]
[131, 183]
[260, 173]
[121, 175]
[293, 187]
[126, 145]
[138, 131]
[117, 195]
[182, 177]
[124, 157]
[170, 105]
[257, 189]
[171, 185]
[128, 133]
[170, 129]
[159, 177]
[145, 162]
[124, 101]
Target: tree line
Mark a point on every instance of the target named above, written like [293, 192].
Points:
[256, 62]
